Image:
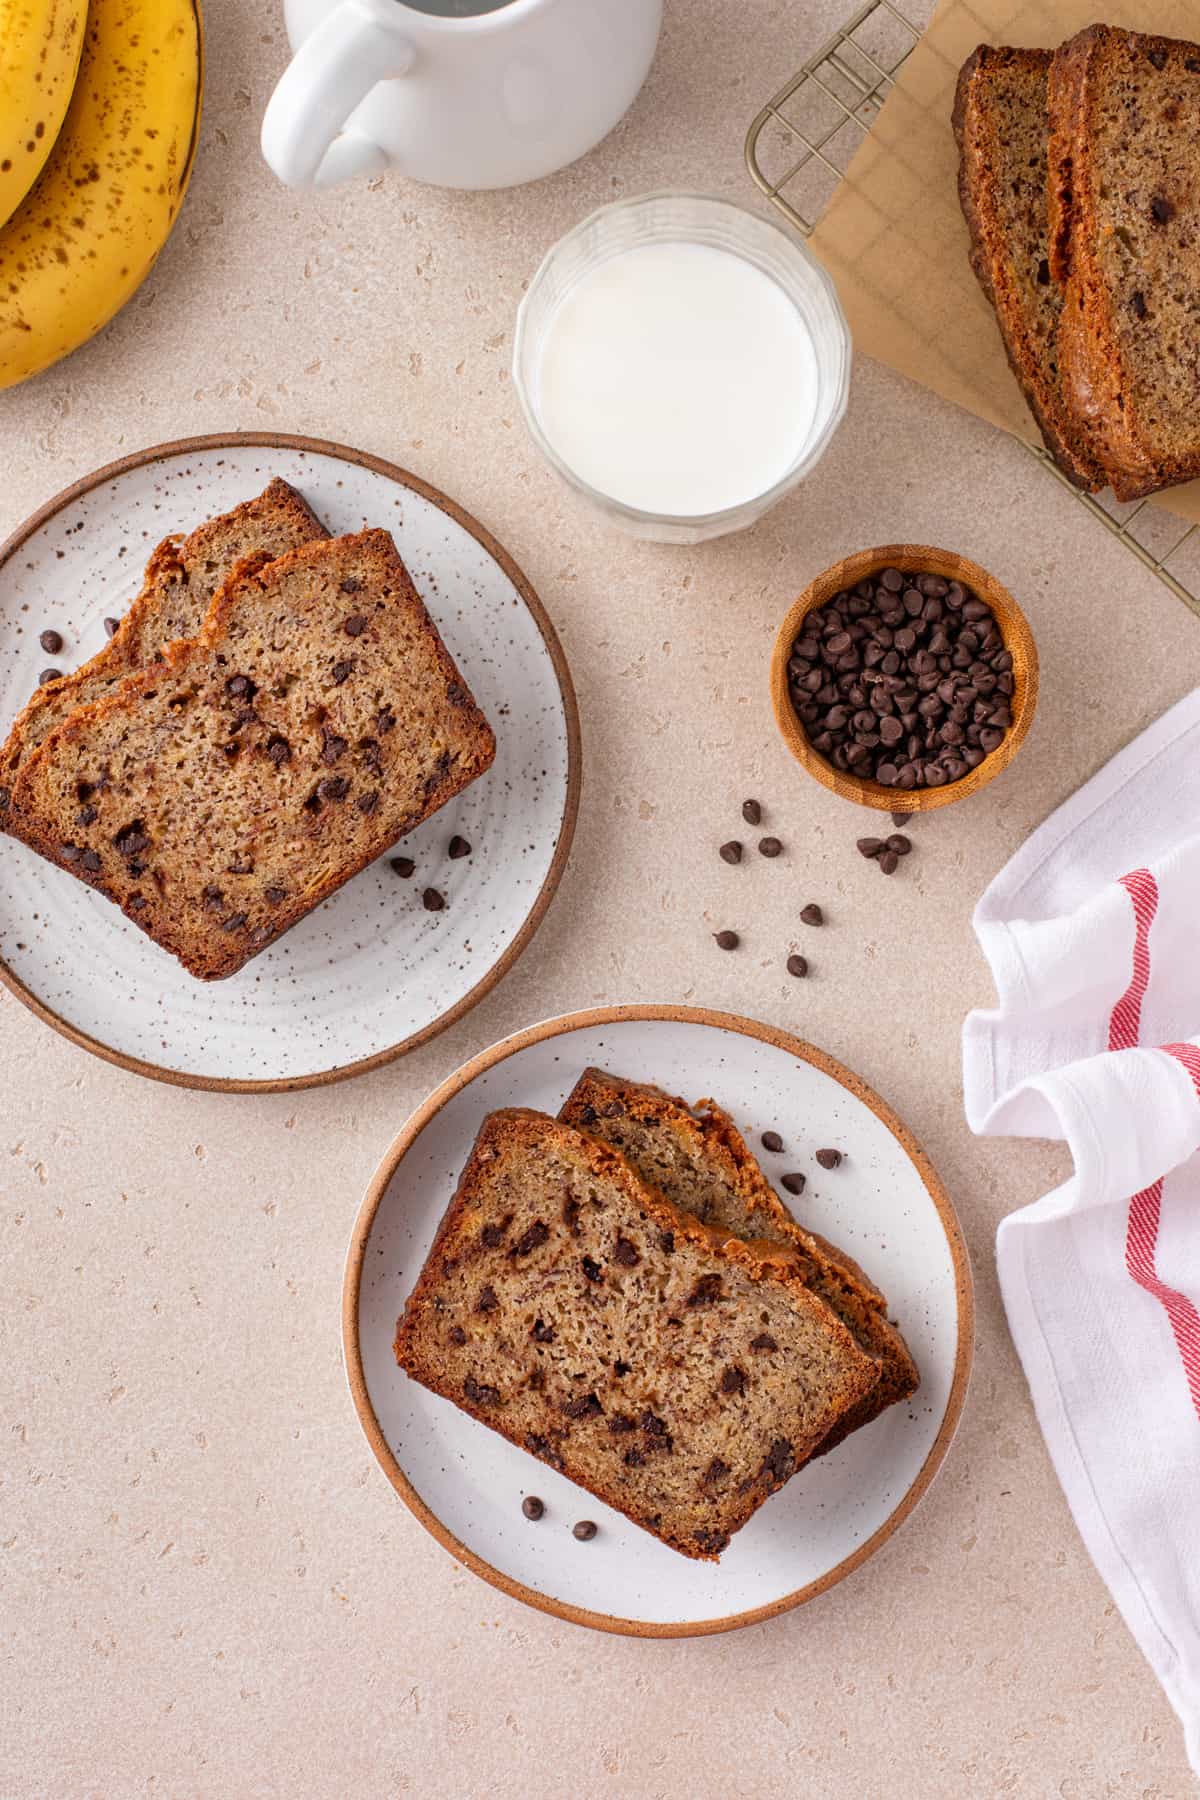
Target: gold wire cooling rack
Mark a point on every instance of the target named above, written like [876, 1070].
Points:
[849, 78]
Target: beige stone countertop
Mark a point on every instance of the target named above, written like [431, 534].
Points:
[207, 1587]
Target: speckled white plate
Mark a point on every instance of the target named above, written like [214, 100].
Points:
[370, 973]
[884, 1205]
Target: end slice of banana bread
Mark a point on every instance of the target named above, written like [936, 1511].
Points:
[700, 1161]
[1125, 224]
[679, 1377]
[1000, 122]
[180, 581]
[221, 793]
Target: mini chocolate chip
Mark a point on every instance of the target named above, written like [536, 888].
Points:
[812, 914]
[366, 803]
[334, 787]
[1161, 209]
[543, 1333]
[385, 722]
[70, 853]
[532, 1507]
[780, 1460]
[457, 1335]
[726, 940]
[899, 844]
[591, 1268]
[240, 687]
[731, 852]
[530, 1239]
[458, 847]
[889, 862]
[136, 903]
[480, 1392]
[355, 625]
[49, 675]
[432, 901]
[260, 935]
[1043, 273]
[626, 1253]
[275, 896]
[794, 1183]
[733, 1381]
[492, 1236]
[797, 966]
[487, 1301]
[111, 627]
[869, 846]
[402, 865]
[241, 865]
[87, 815]
[716, 1471]
[769, 846]
[752, 812]
[1137, 302]
[622, 1368]
[1157, 57]
[707, 1289]
[587, 1406]
[234, 922]
[899, 818]
[829, 1159]
[279, 750]
[666, 1242]
[351, 584]
[51, 642]
[91, 861]
[340, 671]
[771, 1141]
[332, 747]
[764, 1341]
[585, 1531]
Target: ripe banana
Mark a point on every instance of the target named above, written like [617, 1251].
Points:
[87, 234]
[40, 44]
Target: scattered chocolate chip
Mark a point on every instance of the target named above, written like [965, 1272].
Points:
[899, 818]
[898, 844]
[111, 626]
[458, 847]
[798, 966]
[532, 1507]
[332, 747]
[234, 922]
[829, 1159]
[350, 585]
[274, 896]
[355, 625]
[889, 862]
[334, 787]
[812, 914]
[51, 642]
[794, 1183]
[869, 846]
[626, 1253]
[402, 865]
[752, 812]
[772, 1141]
[764, 1341]
[367, 803]
[49, 675]
[340, 672]
[769, 846]
[587, 1406]
[432, 901]
[731, 852]
[620, 1424]
[480, 1392]
[585, 1531]
[726, 940]
[457, 1335]
[487, 1301]
[733, 1381]
[91, 861]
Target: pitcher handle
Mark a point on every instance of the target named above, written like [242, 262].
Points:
[303, 132]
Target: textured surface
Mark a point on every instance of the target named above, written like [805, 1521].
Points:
[680, 1379]
[221, 794]
[207, 1583]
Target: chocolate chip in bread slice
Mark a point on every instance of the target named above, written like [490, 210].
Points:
[700, 1161]
[220, 794]
[181, 579]
[679, 1376]
[1000, 122]
[1125, 229]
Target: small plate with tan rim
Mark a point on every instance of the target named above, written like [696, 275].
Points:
[372, 972]
[884, 1205]
[923, 559]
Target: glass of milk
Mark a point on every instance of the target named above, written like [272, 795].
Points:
[681, 363]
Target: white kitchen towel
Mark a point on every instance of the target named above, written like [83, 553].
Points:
[1092, 932]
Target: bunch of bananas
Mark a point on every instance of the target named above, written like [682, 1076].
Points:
[99, 114]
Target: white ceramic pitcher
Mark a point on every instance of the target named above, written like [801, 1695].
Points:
[459, 93]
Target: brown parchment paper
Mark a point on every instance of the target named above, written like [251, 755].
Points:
[893, 235]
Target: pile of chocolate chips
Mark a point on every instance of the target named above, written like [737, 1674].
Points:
[904, 680]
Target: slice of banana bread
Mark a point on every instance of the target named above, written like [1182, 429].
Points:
[220, 794]
[180, 580]
[1001, 126]
[701, 1162]
[573, 1309]
[1125, 232]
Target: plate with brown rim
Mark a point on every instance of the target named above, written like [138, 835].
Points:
[371, 973]
[883, 1204]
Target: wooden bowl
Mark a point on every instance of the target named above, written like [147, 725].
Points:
[1014, 629]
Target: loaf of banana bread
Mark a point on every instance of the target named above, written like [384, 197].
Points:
[221, 793]
[678, 1374]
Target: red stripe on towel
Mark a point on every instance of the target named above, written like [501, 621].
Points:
[1141, 1234]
